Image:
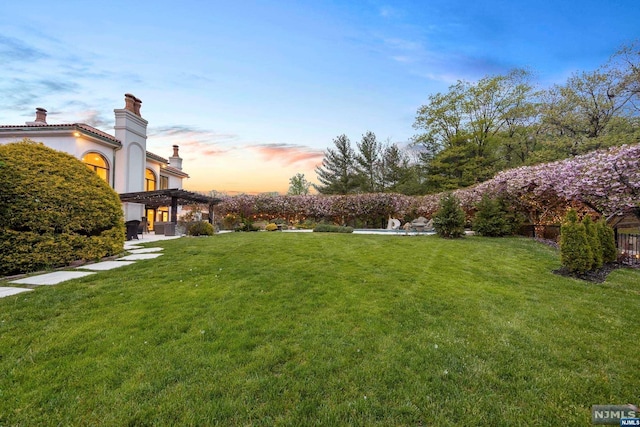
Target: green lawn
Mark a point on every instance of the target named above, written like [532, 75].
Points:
[323, 329]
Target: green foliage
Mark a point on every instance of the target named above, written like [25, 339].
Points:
[607, 239]
[307, 224]
[53, 210]
[495, 218]
[200, 228]
[338, 174]
[367, 163]
[594, 242]
[247, 225]
[330, 228]
[231, 221]
[449, 219]
[271, 227]
[298, 185]
[575, 251]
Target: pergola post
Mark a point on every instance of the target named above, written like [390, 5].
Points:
[174, 209]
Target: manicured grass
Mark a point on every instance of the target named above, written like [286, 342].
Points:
[323, 329]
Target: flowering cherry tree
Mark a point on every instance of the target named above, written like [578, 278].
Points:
[604, 182]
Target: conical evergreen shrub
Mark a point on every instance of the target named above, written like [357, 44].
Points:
[449, 220]
[607, 241]
[594, 242]
[575, 252]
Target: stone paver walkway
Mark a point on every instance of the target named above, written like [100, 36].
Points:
[106, 265]
[138, 257]
[145, 250]
[5, 291]
[51, 278]
[133, 247]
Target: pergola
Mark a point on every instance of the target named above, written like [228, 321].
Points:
[171, 197]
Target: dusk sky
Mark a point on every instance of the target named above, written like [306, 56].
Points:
[255, 91]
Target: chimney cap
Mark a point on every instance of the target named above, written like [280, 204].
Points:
[41, 117]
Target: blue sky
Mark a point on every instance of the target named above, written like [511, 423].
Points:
[255, 91]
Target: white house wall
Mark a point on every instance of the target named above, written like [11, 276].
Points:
[174, 182]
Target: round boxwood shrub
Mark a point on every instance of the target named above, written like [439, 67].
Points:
[200, 228]
[53, 210]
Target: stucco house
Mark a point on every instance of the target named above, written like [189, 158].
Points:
[120, 159]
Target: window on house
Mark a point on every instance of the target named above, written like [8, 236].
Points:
[149, 180]
[97, 163]
[164, 182]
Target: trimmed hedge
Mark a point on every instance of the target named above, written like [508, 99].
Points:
[53, 210]
[328, 228]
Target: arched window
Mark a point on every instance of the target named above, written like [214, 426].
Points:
[149, 180]
[97, 163]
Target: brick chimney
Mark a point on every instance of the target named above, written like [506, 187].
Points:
[41, 115]
[41, 118]
[129, 102]
[133, 104]
[175, 160]
[136, 106]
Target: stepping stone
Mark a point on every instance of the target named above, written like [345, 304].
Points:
[127, 247]
[106, 265]
[145, 250]
[137, 257]
[5, 292]
[51, 278]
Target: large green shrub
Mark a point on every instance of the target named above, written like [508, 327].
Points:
[200, 228]
[449, 220]
[53, 210]
[575, 251]
[495, 218]
[607, 241]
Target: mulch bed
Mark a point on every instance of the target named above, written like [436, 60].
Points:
[595, 276]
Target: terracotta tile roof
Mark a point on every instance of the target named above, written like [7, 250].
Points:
[98, 132]
[71, 126]
[157, 158]
[175, 171]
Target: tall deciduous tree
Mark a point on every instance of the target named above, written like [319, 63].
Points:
[595, 109]
[298, 185]
[337, 174]
[462, 130]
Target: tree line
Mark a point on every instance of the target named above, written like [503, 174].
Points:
[474, 130]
